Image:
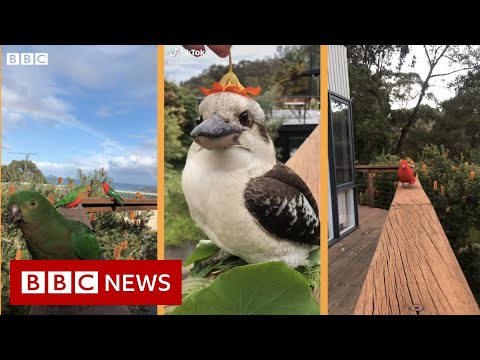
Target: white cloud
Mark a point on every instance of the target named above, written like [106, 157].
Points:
[49, 166]
[6, 146]
[133, 161]
[30, 92]
[55, 105]
[104, 111]
[13, 119]
[34, 90]
[139, 168]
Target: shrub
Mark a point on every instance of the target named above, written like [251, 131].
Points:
[133, 238]
[453, 187]
[179, 226]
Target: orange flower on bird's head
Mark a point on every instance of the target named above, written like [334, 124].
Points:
[230, 83]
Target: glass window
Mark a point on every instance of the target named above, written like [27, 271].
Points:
[342, 141]
[346, 211]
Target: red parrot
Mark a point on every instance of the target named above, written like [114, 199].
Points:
[114, 196]
[75, 197]
[405, 173]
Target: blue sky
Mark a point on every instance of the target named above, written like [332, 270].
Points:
[91, 107]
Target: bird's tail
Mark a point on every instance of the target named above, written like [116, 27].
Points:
[124, 208]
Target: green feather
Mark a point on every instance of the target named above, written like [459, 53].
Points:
[84, 242]
[48, 234]
[115, 195]
[70, 197]
[112, 193]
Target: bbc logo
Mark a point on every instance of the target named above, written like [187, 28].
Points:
[27, 58]
[59, 282]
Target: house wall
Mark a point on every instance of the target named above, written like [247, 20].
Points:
[338, 84]
[338, 70]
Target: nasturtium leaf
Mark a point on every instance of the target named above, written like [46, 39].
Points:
[204, 250]
[314, 257]
[259, 289]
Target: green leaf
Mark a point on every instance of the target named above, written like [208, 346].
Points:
[202, 269]
[189, 285]
[314, 257]
[259, 289]
[204, 250]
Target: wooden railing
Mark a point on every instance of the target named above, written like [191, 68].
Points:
[371, 170]
[92, 205]
[97, 204]
[414, 270]
[306, 162]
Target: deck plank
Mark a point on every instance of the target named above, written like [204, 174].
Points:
[349, 261]
[414, 264]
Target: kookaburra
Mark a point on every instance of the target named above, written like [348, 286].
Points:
[245, 201]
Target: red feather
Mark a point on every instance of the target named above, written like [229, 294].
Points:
[406, 173]
[74, 203]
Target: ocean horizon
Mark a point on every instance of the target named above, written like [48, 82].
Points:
[116, 185]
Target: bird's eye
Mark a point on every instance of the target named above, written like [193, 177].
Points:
[244, 120]
[33, 203]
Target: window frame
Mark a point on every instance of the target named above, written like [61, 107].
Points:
[334, 188]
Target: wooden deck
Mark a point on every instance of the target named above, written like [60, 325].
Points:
[349, 261]
[414, 270]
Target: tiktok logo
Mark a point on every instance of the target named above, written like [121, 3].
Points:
[174, 52]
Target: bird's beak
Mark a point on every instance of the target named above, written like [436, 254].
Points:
[15, 213]
[215, 133]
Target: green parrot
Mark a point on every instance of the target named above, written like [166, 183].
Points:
[48, 234]
[113, 194]
[75, 197]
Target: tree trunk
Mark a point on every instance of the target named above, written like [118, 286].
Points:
[413, 116]
[432, 62]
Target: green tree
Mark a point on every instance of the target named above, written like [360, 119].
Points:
[174, 149]
[181, 116]
[22, 171]
[370, 112]
[421, 133]
[462, 115]
[291, 75]
[379, 57]
[462, 57]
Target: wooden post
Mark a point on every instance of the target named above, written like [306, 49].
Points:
[11, 190]
[371, 190]
[50, 198]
